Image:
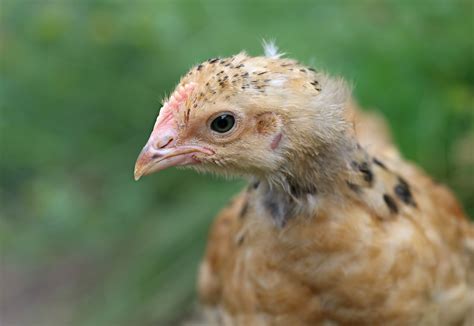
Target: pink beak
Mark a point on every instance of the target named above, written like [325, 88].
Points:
[154, 158]
[161, 150]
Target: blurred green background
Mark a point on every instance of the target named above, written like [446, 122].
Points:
[81, 83]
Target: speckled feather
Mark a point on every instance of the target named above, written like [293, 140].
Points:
[356, 261]
[335, 227]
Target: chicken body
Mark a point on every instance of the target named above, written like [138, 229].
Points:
[409, 261]
[335, 227]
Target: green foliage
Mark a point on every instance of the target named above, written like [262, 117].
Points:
[84, 244]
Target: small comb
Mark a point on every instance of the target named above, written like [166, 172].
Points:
[180, 95]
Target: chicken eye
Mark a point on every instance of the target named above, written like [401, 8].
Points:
[223, 123]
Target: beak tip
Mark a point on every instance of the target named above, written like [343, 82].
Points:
[137, 174]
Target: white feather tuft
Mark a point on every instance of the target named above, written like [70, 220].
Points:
[271, 50]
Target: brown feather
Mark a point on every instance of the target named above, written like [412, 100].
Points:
[335, 228]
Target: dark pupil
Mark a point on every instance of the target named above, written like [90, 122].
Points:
[223, 123]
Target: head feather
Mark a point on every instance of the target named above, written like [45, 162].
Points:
[271, 49]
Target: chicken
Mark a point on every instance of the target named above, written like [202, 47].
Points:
[335, 227]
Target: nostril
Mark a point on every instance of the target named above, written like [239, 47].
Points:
[167, 143]
[162, 139]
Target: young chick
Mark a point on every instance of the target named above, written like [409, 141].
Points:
[335, 228]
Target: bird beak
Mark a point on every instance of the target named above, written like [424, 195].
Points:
[161, 150]
[153, 159]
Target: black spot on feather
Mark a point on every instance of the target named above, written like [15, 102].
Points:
[280, 206]
[379, 163]
[315, 83]
[355, 188]
[299, 191]
[364, 169]
[273, 208]
[402, 190]
[244, 209]
[256, 184]
[391, 204]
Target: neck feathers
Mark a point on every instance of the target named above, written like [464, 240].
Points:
[329, 174]
[355, 177]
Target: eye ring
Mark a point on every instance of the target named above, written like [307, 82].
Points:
[223, 123]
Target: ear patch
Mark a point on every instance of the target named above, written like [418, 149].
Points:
[267, 123]
[276, 141]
